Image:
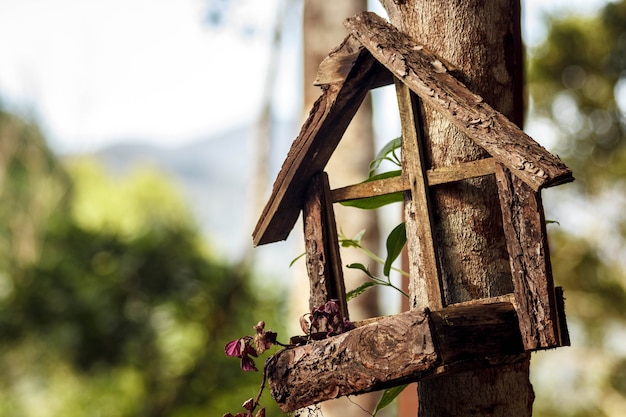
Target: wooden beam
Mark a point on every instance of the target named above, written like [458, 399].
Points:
[391, 351]
[438, 176]
[426, 75]
[311, 150]
[369, 189]
[340, 61]
[526, 237]
[459, 337]
[463, 171]
[323, 260]
[425, 281]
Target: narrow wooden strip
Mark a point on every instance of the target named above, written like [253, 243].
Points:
[339, 62]
[336, 286]
[506, 298]
[323, 261]
[391, 351]
[560, 305]
[336, 67]
[369, 189]
[444, 175]
[316, 256]
[425, 282]
[311, 150]
[437, 176]
[524, 228]
[425, 74]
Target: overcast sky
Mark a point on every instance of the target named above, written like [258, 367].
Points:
[93, 72]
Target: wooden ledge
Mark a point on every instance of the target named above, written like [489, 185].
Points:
[391, 351]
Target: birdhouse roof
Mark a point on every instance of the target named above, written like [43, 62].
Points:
[371, 56]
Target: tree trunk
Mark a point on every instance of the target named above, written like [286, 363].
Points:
[323, 31]
[482, 40]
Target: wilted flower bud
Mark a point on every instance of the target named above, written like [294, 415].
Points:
[249, 404]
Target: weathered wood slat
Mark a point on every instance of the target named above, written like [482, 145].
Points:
[369, 189]
[311, 150]
[526, 237]
[425, 74]
[425, 284]
[466, 170]
[560, 305]
[364, 359]
[391, 351]
[339, 62]
[437, 176]
[459, 338]
[323, 260]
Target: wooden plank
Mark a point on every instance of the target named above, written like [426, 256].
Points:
[311, 150]
[323, 260]
[560, 305]
[425, 282]
[436, 176]
[425, 74]
[364, 359]
[459, 338]
[391, 351]
[339, 62]
[466, 170]
[506, 298]
[527, 244]
[369, 189]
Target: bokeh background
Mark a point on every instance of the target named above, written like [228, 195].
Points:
[128, 150]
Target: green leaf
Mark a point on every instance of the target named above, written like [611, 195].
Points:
[395, 243]
[371, 203]
[355, 242]
[553, 221]
[389, 395]
[384, 175]
[296, 259]
[359, 290]
[389, 148]
[363, 268]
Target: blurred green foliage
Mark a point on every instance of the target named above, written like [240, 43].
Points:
[110, 303]
[577, 82]
[576, 78]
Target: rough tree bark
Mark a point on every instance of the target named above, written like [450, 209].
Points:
[323, 31]
[482, 40]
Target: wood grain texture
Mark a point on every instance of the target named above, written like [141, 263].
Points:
[323, 260]
[425, 285]
[311, 150]
[391, 351]
[437, 176]
[524, 227]
[364, 359]
[428, 77]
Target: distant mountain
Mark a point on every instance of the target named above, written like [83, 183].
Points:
[215, 176]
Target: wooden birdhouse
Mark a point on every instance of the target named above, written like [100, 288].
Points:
[434, 338]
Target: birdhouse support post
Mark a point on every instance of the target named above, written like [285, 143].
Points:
[418, 215]
[323, 260]
[539, 307]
